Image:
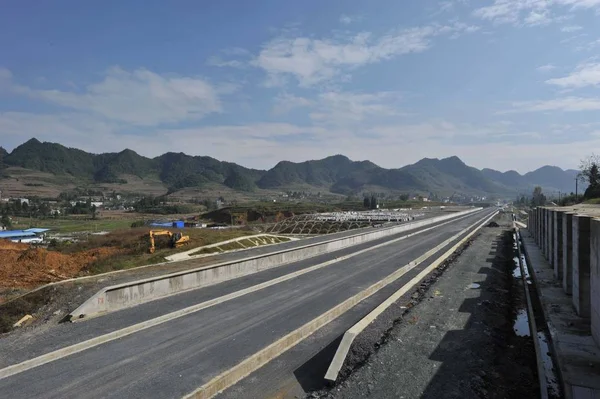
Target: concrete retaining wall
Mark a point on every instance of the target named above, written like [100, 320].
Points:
[571, 243]
[130, 294]
[595, 279]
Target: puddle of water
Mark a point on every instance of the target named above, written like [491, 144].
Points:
[517, 270]
[474, 286]
[521, 326]
[553, 387]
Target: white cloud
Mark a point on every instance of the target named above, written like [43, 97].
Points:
[345, 108]
[537, 18]
[235, 51]
[446, 5]
[140, 97]
[347, 19]
[311, 61]
[584, 75]
[571, 28]
[219, 62]
[531, 12]
[5, 74]
[591, 45]
[567, 104]
[546, 68]
[286, 102]
[342, 108]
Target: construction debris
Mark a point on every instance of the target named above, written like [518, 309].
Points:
[24, 319]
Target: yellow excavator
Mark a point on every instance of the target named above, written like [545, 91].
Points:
[176, 239]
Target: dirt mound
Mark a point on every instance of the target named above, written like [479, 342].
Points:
[6, 244]
[28, 267]
[492, 224]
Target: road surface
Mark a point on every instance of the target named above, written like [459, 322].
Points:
[174, 358]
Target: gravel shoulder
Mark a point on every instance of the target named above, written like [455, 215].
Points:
[454, 339]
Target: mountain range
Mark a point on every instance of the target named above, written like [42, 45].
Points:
[336, 174]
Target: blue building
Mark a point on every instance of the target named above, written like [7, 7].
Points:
[33, 235]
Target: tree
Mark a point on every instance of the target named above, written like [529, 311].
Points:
[591, 173]
[5, 221]
[538, 199]
[404, 197]
[366, 202]
[373, 202]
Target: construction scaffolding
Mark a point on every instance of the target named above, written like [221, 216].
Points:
[325, 223]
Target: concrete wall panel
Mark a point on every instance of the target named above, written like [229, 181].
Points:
[557, 245]
[581, 265]
[595, 278]
[568, 252]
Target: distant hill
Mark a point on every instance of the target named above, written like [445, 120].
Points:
[337, 174]
[321, 173]
[553, 177]
[175, 170]
[550, 178]
[452, 174]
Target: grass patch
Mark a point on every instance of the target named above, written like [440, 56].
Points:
[248, 243]
[211, 250]
[134, 245]
[593, 201]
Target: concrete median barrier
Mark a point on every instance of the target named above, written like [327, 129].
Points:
[129, 294]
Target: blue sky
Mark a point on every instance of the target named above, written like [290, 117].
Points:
[506, 84]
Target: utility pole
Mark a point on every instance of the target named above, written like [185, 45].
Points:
[576, 187]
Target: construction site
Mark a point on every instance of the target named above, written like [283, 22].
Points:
[61, 257]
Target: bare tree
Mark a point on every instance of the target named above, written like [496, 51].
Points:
[586, 166]
[590, 170]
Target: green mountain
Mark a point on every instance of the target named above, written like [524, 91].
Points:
[320, 173]
[335, 173]
[508, 179]
[52, 158]
[451, 174]
[553, 178]
[550, 178]
[179, 170]
[108, 167]
[175, 170]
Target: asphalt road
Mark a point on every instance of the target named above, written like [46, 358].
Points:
[172, 359]
[68, 295]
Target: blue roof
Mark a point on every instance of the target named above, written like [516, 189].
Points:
[16, 233]
[36, 230]
[167, 224]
